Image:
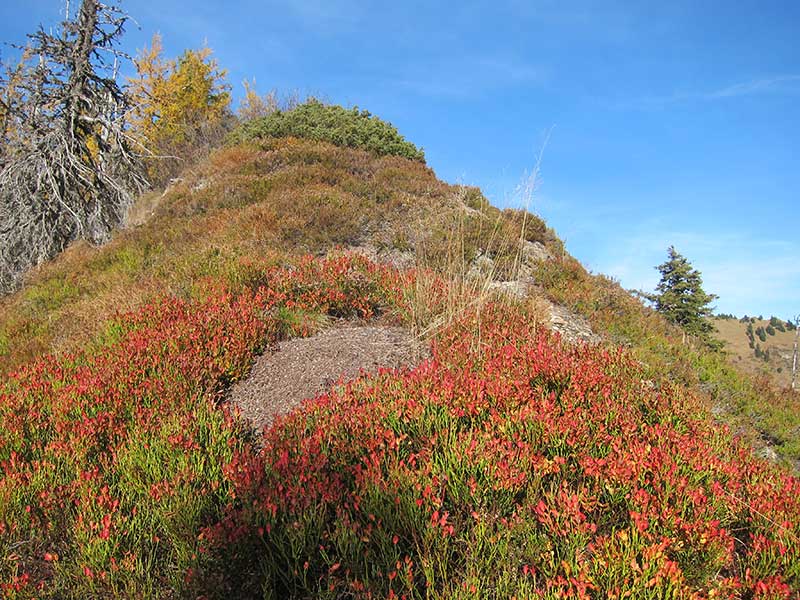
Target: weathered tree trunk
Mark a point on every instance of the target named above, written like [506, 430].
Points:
[72, 171]
[82, 67]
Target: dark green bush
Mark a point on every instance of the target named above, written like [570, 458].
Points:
[777, 324]
[762, 335]
[770, 330]
[351, 128]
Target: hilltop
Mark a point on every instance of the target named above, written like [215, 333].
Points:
[513, 462]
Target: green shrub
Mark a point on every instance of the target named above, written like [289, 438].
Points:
[351, 128]
[474, 198]
[770, 330]
[762, 335]
[776, 323]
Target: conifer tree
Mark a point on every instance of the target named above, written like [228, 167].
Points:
[681, 299]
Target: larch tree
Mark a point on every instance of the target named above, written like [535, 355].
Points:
[680, 297]
[182, 107]
[254, 105]
[69, 169]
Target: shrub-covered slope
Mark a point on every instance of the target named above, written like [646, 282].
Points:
[508, 465]
[769, 417]
[314, 120]
[251, 202]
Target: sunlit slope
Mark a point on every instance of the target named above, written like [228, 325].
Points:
[510, 464]
[774, 355]
[246, 203]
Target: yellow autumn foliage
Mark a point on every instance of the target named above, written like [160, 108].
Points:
[182, 106]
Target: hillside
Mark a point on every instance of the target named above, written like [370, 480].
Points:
[513, 462]
[251, 203]
[775, 356]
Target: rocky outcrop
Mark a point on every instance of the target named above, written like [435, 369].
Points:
[572, 327]
[535, 251]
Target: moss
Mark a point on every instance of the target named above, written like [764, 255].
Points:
[49, 295]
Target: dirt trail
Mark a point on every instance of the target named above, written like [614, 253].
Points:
[303, 368]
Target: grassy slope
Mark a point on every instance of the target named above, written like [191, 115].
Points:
[269, 200]
[509, 465]
[249, 207]
[250, 203]
[734, 334]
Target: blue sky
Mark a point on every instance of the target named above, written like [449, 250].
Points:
[666, 122]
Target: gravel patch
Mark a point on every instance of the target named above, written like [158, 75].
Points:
[303, 368]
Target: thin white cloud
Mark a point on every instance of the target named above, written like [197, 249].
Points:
[779, 84]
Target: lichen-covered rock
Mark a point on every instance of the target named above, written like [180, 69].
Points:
[572, 327]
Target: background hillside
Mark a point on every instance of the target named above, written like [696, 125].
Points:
[771, 356]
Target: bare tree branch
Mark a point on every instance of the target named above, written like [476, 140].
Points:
[71, 170]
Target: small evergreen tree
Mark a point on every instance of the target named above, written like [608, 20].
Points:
[681, 299]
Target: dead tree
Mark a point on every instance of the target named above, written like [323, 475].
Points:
[71, 170]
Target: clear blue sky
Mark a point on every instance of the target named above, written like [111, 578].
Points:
[670, 122]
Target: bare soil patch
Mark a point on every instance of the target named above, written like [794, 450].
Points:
[304, 368]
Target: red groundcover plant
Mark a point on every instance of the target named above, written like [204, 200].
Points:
[507, 465]
[112, 460]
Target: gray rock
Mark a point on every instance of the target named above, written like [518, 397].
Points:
[518, 289]
[572, 327]
[767, 453]
[535, 251]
